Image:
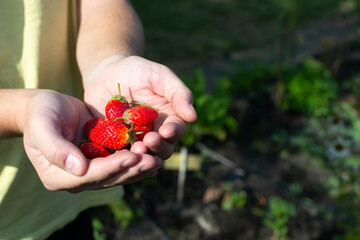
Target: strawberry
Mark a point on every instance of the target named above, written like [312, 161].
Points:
[140, 115]
[112, 135]
[116, 106]
[92, 150]
[89, 125]
[141, 131]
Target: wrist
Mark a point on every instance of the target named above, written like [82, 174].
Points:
[14, 107]
[22, 117]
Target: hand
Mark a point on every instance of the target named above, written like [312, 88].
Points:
[52, 129]
[148, 82]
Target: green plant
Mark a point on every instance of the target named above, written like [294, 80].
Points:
[331, 143]
[98, 228]
[123, 213]
[310, 89]
[233, 199]
[214, 119]
[276, 216]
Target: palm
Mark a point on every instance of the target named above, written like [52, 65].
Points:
[148, 82]
[138, 80]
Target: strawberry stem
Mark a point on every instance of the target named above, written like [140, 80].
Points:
[119, 89]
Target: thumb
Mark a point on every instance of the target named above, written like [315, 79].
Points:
[61, 152]
[179, 95]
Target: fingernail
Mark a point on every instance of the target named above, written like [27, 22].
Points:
[129, 162]
[73, 165]
[191, 106]
[159, 162]
[146, 168]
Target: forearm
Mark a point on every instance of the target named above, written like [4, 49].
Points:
[107, 27]
[13, 105]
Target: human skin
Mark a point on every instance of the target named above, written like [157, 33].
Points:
[112, 56]
[51, 124]
[110, 37]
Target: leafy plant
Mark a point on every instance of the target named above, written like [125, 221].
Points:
[276, 216]
[214, 119]
[233, 199]
[123, 214]
[98, 229]
[310, 89]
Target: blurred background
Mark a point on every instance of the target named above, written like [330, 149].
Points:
[275, 151]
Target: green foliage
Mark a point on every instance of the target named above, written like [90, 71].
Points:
[276, 216]
[233, 199]
[214, 119]
[98, 229]
[123, 214]
[349, 115]
[310, 90]
[295, 189]
[333, 141]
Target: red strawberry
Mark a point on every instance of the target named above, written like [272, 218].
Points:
[116, 106]
[141, 131]
[112, 135]
[89, 125]
[140, 115]
[92, 150]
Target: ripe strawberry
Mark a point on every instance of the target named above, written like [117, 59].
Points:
[112, 135]
[116, 106]
[140, 115]
[141, 131]
[89, 125]
[92, 150]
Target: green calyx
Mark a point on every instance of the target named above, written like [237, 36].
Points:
[134, 104]
[118, 96]
[132, 135]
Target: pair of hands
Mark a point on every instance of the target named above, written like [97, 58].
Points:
[54, 123]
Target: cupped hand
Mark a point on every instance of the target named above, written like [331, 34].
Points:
[148, 82]
[51, 132]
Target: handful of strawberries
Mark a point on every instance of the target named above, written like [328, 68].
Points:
[124, 124]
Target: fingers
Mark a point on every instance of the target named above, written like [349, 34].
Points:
[171, 128]
[158, 146]
[102, 172]
[103, 168]
[110, 171]
[55, 178]
[168, 130]
[175, 91]
[139, 147]
[147, 167]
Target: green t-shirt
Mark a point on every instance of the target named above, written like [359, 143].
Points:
[37, 43]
